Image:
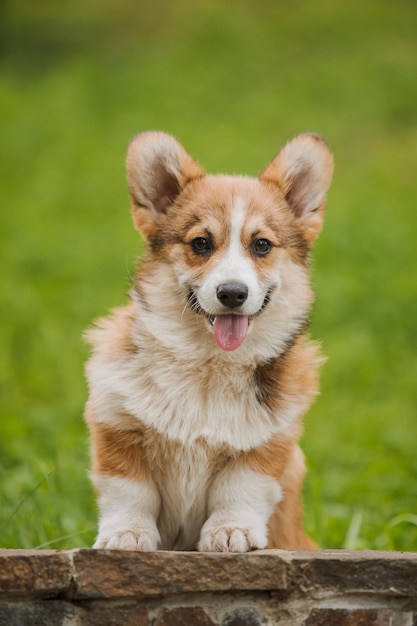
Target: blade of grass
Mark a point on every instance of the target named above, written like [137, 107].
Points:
[352, 535]
[25, 498]
[63, 538]
[405, 518]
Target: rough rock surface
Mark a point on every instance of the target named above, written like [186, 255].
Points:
[262, 588]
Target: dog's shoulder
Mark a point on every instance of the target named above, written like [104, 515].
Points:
[291, 377]
[112, 336]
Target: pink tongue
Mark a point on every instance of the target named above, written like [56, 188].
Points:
[230, 331]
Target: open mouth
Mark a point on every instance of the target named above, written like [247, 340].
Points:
[229, 329]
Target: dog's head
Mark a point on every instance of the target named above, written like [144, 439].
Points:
[238, 246]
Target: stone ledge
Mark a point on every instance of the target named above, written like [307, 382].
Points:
[86, 587]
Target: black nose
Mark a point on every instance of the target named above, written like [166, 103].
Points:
[232, 294]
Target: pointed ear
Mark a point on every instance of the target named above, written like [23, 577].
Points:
[158, 168]
[303, 171]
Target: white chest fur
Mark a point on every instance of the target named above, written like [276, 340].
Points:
[187, 401]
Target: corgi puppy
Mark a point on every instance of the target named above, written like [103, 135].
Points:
[199, 384]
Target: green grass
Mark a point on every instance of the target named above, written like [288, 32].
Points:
[233, 81]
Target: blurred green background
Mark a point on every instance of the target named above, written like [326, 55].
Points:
[233, 81]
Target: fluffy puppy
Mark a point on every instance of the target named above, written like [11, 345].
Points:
[199, 384]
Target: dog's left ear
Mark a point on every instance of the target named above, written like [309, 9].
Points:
[158, 168]
[303, 171]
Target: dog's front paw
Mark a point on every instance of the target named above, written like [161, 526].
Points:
[144, 539]
[231, 539]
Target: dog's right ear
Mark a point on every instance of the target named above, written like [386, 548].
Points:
[158, 168]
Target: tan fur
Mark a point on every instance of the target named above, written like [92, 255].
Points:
[285, 525]
[118, 453]
[177, 423]
[295, 371]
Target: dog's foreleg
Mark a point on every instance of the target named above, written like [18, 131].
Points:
[128, 513]
[128, 499]
[240, 504]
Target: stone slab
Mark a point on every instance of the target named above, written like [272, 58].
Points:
[87, 587]
[34, 572]
[103, 573]
[367, 571]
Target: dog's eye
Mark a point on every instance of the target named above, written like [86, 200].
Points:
[260, 247]
[201, 245]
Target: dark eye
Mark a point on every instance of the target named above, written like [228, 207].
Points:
[260, 247]
[201, 245]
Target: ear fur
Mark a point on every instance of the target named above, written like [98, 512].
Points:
[303, 171]
[158, 168]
